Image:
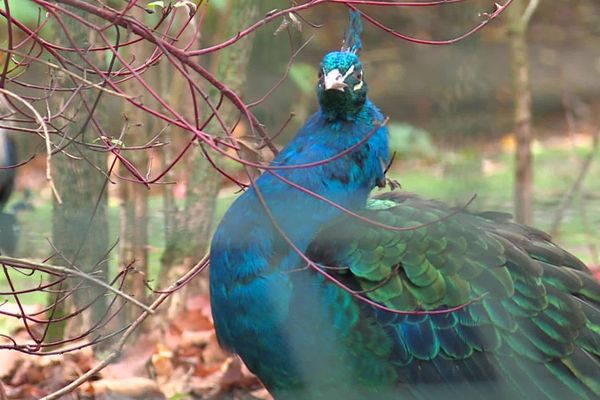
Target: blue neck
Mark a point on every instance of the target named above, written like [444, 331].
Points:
[347, 181]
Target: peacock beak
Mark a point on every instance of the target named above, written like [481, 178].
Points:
[335, 80]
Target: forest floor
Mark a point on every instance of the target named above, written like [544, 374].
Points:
[180, 359]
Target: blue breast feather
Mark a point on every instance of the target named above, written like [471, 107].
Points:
[249, 258]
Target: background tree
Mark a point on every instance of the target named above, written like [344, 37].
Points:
[519, 16]
[138, 130]
[188, 234]
[80, 224]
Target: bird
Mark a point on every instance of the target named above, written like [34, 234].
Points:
[8, 221]
[8, 154]
[327, 292]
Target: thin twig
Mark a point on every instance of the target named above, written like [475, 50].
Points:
[73, 75]
[38, 266]
[577, 184]
[46, 137]
[113, 355]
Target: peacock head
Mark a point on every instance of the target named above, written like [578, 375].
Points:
[341, 90]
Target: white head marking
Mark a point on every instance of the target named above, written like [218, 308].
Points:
[335, 80]
[347, 74]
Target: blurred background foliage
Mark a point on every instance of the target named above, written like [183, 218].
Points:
[450, 109]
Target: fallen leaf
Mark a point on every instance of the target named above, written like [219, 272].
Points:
[202, 302]
[131, 388]
[193, 320]
[24, 392]
[232, 374]
[162, 361]
[196, 338]
[213, 354]
[261, 394]
[27, 372]
[175, 384]
[10, 360]
[135, 358]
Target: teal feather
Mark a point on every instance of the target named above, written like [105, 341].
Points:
[352, 40]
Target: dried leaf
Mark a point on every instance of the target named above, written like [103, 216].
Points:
[192, 321]
[132, 388]
[285, 22]
[176, 385]
[213, 354]
[162, 361]
[295, 21]
[135, 358]
[261, 394]
[10, 360]
[190, 5]
[232, 374]
[27, 372]
[24, 392]
[200, 302]
[197, 338]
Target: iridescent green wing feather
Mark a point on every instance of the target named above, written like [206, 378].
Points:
[532, 320]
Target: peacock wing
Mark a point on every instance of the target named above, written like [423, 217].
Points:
[473, 297]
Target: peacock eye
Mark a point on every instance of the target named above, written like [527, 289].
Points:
[358, 75]
[320, 74]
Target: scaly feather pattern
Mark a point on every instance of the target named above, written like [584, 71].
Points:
[452, 305]
[533, 333]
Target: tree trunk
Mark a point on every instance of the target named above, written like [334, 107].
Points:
[80, 223]
[204, 182]
[133, 220]
[522, 113]
[133, 236]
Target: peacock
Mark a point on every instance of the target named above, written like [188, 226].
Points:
[8, 222]
[7, 172]
[328, 293]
